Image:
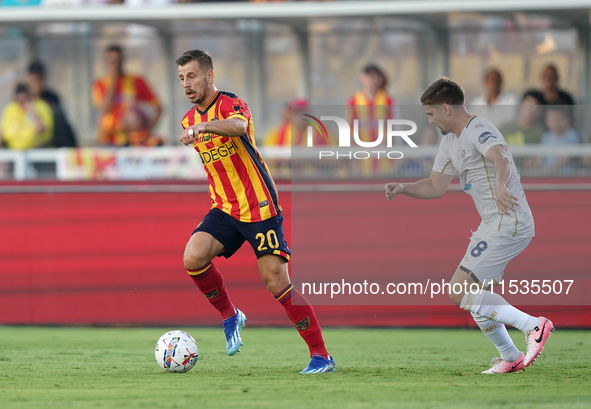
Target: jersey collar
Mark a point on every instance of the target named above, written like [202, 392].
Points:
[470, 120]
[213, 101]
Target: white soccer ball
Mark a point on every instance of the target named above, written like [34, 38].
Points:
[176, 351]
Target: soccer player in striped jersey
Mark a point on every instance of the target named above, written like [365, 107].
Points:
[245, 207]
[473, 147]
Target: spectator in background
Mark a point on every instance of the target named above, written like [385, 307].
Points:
[560, 132]
[117, 92]
[368, 105]
[62, 136]
[26, 123]
[281, 136]
[371, 102]
[553, 95]
[136, 125]
[494, 105]
[528, 128]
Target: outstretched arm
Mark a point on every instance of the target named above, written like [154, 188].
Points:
[431, 188]
[224, 127]
[505, 200]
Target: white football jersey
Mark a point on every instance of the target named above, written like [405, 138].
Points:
[466, 155]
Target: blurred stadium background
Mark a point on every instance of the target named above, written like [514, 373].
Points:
[89, 236]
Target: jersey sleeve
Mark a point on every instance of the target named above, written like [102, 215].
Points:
[485, 137]
[442, 162]
[234, 107]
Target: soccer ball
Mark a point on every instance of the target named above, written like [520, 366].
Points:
[176, 351]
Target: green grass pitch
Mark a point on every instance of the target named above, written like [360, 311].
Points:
[377, 368]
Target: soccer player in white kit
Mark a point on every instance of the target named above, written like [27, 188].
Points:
[473, 147]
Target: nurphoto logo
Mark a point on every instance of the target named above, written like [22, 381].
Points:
[402, 128]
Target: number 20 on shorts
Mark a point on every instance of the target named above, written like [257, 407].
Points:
[272, 240]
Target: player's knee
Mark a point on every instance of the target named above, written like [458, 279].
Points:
[456, 298]
[194, 260]
[275, 284]
[275, 281]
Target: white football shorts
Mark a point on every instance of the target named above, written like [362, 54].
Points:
[487, 257]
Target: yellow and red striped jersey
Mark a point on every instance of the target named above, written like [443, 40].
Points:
[240, 183]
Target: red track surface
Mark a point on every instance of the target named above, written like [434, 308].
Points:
[116, 258]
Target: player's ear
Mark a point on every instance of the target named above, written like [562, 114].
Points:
[209, 76]
[446, 109]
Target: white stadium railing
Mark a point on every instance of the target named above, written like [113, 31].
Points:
[328, 162]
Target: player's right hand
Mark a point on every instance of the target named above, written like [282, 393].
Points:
[505, 200]
[392, 189]
[188, 136]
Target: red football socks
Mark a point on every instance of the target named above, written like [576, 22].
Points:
[304, 319]
[211, 283]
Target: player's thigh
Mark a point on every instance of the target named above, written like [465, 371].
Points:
[462, 282]
[267, 240]
[201, 249]
[216, 235]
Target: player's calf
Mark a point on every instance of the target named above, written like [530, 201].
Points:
[301, 314]
[210, 282]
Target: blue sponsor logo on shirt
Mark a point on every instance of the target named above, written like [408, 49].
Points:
[467, 187]
[485, 136]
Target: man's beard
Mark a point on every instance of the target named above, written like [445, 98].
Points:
[199, 98]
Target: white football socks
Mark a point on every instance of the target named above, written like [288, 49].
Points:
[498, 335]
[494, 307]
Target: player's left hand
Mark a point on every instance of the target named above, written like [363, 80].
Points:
[505, 200]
